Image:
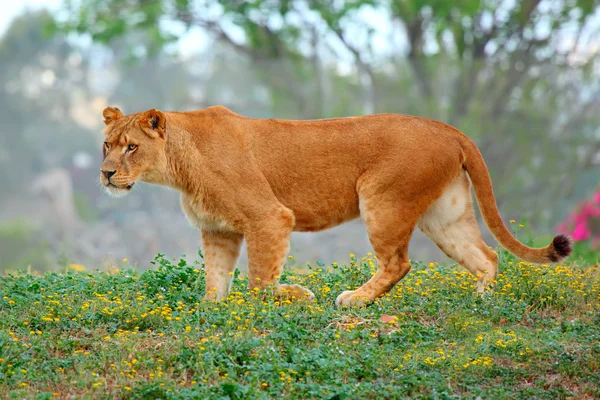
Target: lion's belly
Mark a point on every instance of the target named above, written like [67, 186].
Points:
[304, 224]
[318, 212]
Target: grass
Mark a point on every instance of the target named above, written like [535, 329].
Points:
[135, 335]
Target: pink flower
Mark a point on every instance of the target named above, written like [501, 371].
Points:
[583, 224]
[581, 232]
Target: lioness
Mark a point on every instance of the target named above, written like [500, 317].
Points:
[261, 179]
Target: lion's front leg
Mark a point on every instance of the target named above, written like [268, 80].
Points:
[268, 244]
[221, 250]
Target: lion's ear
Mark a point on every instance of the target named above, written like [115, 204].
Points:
[111, 114]
[153, 122]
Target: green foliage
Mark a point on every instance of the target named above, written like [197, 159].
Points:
[584, 255]
[150, 335]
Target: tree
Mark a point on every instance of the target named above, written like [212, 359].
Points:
[520, 78]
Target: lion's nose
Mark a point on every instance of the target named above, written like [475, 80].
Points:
[108, 174]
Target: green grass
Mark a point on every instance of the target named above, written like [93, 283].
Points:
[128, 334]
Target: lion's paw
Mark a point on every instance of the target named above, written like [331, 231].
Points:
[350, 298]
[295, 291]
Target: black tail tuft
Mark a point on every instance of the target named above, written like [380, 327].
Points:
[562, 245]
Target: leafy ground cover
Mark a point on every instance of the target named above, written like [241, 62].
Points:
[129, 334]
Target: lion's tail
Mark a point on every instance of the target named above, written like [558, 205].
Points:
[475, 165]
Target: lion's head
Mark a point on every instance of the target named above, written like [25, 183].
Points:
[134, 149]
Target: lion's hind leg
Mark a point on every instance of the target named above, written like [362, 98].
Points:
[450, 223]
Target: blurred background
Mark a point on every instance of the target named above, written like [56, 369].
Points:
[520, 78]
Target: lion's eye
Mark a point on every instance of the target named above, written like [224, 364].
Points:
[106, 145]
[131, 147]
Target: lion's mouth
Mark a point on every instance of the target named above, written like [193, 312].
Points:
[112, 185]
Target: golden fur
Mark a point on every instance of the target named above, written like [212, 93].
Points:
[260, 179]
